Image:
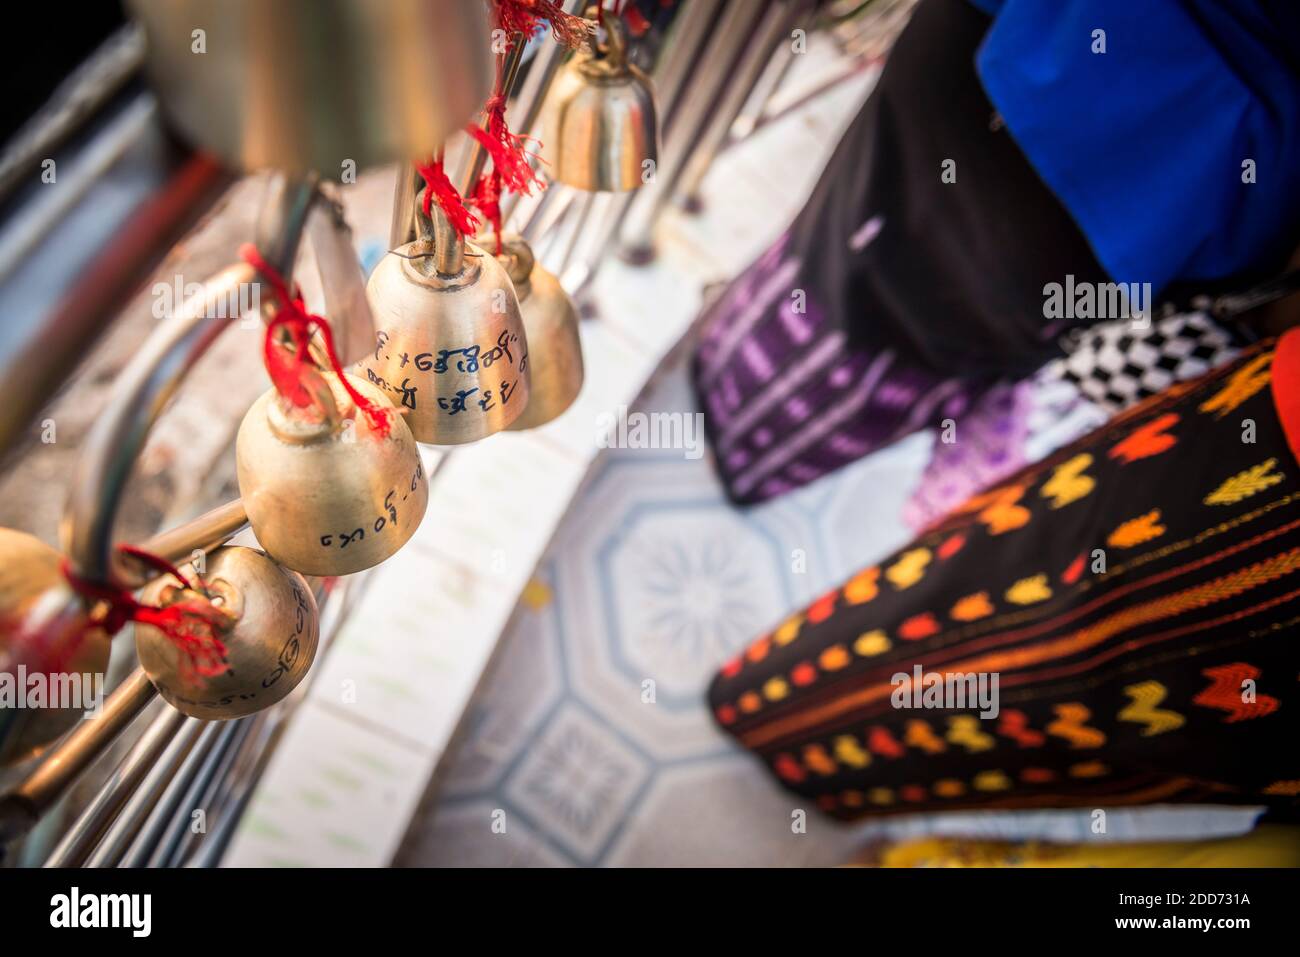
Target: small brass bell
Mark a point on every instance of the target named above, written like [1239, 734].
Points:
[451, 349]
[599, 129]
[270, 641]
[554, 351]
[329, 495]
[36, 599]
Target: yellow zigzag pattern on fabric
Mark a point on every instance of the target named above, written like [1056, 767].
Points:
[1241, 385]
[1146, 695]
[1245, 484]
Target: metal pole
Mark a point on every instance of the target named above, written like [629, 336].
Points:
[95, 819]
[707, 84]
[23, 806]
[126, 823]
[776, 25]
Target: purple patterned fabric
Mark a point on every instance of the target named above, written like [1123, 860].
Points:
[787, 400]
[986, 446]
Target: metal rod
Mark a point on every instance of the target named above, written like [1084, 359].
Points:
[159, 845]
[23, 806]
[343, 284]
[756, 58]
[706, 86]
[117, 437]
[90, 826]
[180, 544]
[450, 246]
[128, 821]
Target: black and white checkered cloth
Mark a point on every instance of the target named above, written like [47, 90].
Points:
[1116, 364]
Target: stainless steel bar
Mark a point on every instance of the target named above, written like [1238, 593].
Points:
[162, 851]
[142, 390]
[23, 806]
[705, 87]
[85, 833]
[750, 117]
[342, 282]
[581, 213]
[167, 810]
[232, 787]
[403, 228]
[775, 27]
[128, 821]
[180, 544]
[554, 204]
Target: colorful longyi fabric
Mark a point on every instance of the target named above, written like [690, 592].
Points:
[1135, 597]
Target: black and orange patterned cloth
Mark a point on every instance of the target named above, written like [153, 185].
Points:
[1137, 596]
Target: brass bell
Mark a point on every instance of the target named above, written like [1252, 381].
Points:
[35, 599]
[302, 85]
[270, 641]
[599, 129]
[329, 495]
[554, 351]
[451, 349]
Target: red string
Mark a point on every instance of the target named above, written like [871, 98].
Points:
[288, 367]
[438, 189]
[487, 200]
[509, 157]
[524, 17]
[194, 625]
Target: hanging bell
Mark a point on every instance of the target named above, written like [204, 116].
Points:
[36, 602]
[269, 642]
[450, 348]
[303, 85]
[329, 494]
[599, 130]
[551, 322]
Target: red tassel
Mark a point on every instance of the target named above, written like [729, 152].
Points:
[194, 625]
[439, 189]
[526, 16]
[637, 24]
[287, 367]
[509, 158]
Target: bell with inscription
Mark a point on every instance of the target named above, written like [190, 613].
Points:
[328, 471]
[331, 494]
[554, 351]
[262, 651]
[450, 345]
[599, 128]
[45, 646]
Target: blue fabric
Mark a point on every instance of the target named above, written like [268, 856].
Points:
[1144, 143]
